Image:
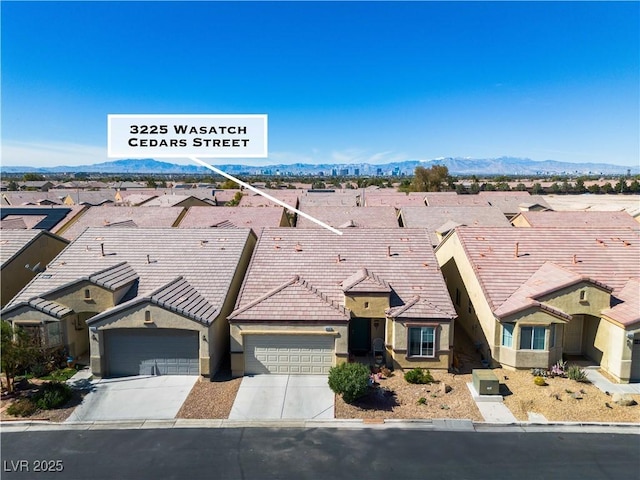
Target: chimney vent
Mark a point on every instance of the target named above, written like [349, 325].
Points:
[298, 247]
[388, 250]
[148, 258]
[102, 249]
[516, 252]
[575, 258]
[338, 260]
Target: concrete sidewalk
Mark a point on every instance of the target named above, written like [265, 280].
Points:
[491, 407]
[600, 381]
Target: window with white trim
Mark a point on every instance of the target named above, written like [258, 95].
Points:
[532, 338]
[507, 335]
[422, 341]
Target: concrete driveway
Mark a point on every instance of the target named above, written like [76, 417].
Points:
[134, 398]
[263, 397]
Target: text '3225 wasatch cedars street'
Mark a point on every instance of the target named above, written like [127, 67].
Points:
[187, 135]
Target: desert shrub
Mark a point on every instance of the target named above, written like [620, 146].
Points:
[540, 381]
[350, 380]
[53, 395]
[422, 401]
[539, 372]
[22, 408]
[418, 375]
[559, 369]
[574, 372]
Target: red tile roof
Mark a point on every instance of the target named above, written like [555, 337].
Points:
[403, 258]
[578, 219]
[628, 312]
[606, 255]
[349, 217]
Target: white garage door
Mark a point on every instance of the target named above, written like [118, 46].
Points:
[288, 354]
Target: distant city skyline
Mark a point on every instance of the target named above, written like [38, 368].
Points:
[342, 82]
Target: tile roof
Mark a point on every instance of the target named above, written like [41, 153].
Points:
[349, 198]
[606, 255]
[364, 281]
[392, 198]
[18, 199]
[451, 199]
[110, 215]
[175, 200]
[47, 306]
[252, 217]
[41, 217]
[513, 202]
[548, 278]
[177, 296]
[14, 241]
[15, 223]
[578, 219]
[349, 217]
[327, 261]
[435, 218]
[294, 300]
[252, 199]
[206, 258]
[627, 313]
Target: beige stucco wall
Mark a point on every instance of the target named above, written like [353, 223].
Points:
[14, 276]
[397, 347]
[377, 304]
[239, 330]
[479, 324]
[568, 299]
[134, 317]
[616, 349]
[73, 298]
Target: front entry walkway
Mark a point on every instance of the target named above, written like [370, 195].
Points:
[268, 397]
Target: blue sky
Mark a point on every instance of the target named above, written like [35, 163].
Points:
[341, 81]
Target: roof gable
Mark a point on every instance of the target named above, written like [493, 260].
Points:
[294, 300]
[364, 281]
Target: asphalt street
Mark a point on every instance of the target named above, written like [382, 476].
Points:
[297, 454]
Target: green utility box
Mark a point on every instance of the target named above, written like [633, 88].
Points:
[485, 382]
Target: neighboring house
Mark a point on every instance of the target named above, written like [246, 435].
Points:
[350, 217]
[574, 219]
[143, 301]
[40, 185]
[18, 199]
[512, 203]
[51, 218]
[253, 199]
[255, 218]
[391, 197]
[322, 198]
[150, 217]
[441, 220]
[23, 254]
[178, 201]
[529, 296]
[311, 299]
[452, 199]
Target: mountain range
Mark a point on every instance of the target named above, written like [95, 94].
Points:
[456, 166]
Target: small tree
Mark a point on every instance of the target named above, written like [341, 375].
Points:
[17, 351]
[350, 380]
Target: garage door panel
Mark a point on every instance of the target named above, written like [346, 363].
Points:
[288, 354]
[148, 352]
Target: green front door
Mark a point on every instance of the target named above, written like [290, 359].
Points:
[360, 335]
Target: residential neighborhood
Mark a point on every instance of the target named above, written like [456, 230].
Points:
[450, 284]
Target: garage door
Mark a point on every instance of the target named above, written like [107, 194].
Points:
[635, 360]
[151, 352]
[288, 354]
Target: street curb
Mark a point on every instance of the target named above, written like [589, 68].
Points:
[451, 425]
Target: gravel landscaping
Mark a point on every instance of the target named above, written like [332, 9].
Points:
[211, 399]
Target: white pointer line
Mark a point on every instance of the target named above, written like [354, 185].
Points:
[267, 196]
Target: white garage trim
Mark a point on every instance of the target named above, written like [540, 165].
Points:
[288, 354]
